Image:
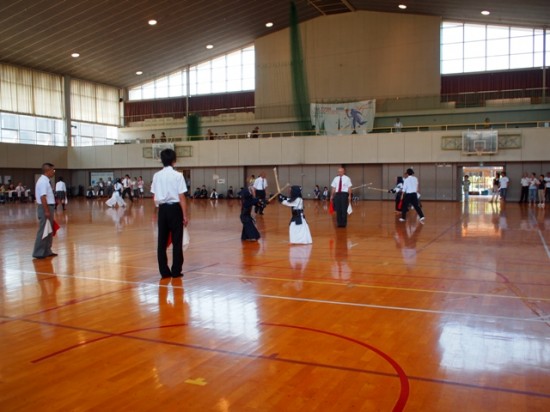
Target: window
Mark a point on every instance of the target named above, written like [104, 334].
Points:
[476, 47]
[23, 129]
[228, 73]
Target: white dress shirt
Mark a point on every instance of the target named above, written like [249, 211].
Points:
[167, 185]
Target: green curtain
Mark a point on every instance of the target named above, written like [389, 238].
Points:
[300, 93]
[194, 127]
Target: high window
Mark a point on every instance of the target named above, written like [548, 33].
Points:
[467, 48]
[231, 72]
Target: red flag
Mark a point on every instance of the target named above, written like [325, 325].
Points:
[330, 207]
[400, 204]
[55, 228]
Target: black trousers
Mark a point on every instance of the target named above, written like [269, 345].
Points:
[170, 223]
[260, 194]
[341, 203]
[524, 198]
[411, 199]
[129, 191]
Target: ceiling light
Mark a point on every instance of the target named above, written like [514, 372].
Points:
[402, 6]
[209, 46]
[269, 24]
[75, 55]
[139, 72]
[152, 22]
[485, 12]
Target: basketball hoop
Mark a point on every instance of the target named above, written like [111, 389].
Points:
[479, 147]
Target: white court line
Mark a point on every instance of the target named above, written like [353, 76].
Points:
[437, 312]
[330, 302]
[544, 243]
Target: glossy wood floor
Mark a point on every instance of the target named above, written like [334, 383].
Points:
[452, 315]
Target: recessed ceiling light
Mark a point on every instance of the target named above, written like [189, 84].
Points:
[485, 12]
[402, 6]
[75, 55]
[139, 72]
[209, 46]
[152, 22]
[269, 24]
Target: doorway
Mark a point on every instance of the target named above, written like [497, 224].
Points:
[481, 179]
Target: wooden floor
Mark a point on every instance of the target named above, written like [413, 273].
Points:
[452, 315]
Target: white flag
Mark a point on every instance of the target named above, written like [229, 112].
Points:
[186, 238]
[47, 229]
[350, 210]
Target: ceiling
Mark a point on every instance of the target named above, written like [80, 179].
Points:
[114, 39]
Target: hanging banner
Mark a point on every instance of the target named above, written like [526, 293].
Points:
[343, 118]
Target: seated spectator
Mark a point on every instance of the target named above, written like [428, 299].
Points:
[197, 193]
[203, 193]
[209, 134]
[324, 196]
[214, 194]
[90, 193]
[163, 137]
[230, 194]
[255, 133]
[2, 194]
[317, 192]
[20, 191]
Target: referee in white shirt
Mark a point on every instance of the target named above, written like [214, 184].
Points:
[410, 196]
[45, 200]
[341, 196]
[260, 186]
[168, 188]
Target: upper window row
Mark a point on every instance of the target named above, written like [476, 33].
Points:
[465, 48]
[476, 48]
[228, 73]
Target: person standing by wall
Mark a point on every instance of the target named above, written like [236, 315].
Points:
[504, 182]
[260, 186]
[533, 187]
[541, 188]
[60, 193]
[168, 190]
[341, 196]
[466, 187]
[398, 125]
[410, 196]
[46, 202]
[524, 188]
[496, 188]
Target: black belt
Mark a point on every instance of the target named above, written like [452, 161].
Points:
[169, 204]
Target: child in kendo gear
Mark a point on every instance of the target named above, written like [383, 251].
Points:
[397, 190]
[298, 229]
[248, 202]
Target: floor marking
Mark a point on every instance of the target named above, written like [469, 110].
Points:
[544, 244]
[399, 308]
[355, 284]
[196, 381]
[365, 305]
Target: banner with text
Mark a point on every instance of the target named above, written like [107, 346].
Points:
[343, 118]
